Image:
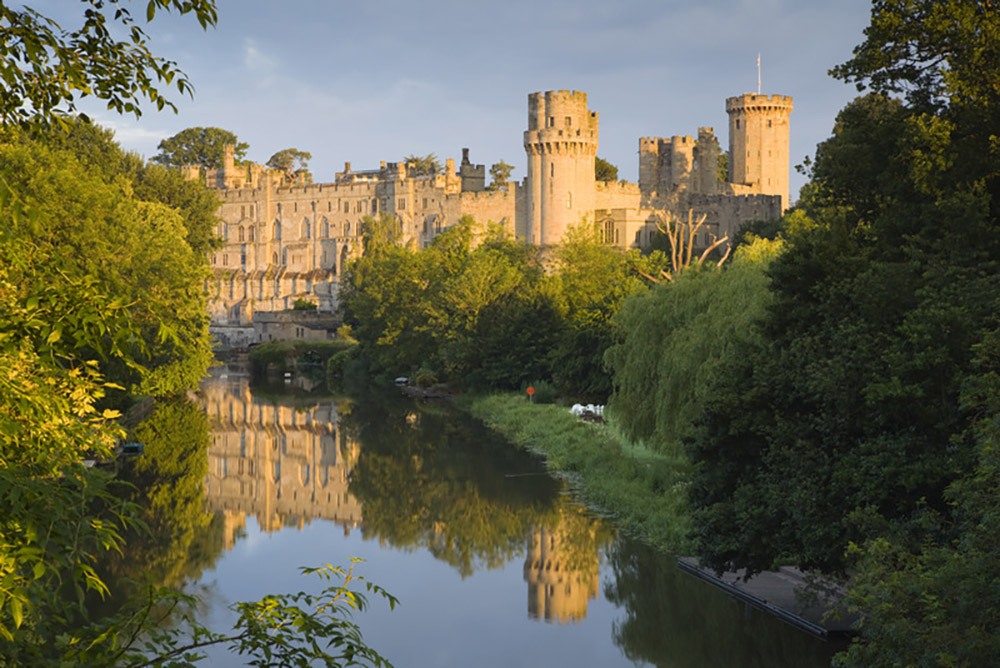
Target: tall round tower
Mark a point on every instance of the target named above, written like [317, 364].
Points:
[561, 143]
[758, 143]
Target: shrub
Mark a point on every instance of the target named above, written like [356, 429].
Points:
[338, 362]
[545, 392]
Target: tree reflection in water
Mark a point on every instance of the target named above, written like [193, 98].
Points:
[674, 619]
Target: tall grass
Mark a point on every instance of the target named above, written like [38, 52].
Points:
[644, 491]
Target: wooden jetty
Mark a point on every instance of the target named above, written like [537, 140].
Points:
[786, 593]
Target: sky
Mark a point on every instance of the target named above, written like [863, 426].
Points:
[363, 82]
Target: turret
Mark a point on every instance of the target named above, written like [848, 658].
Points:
[561, 144]
[758, 143]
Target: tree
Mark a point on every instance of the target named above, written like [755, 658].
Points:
[96, 149]
[671, 342]
[604, 170]
[847, 424]
[423, 165]
[46, 67]
[204, 147]
[92, 279]
[722, 167]
[290, 161]
[500, 175]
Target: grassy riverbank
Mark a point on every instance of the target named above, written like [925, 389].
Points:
[644, 491]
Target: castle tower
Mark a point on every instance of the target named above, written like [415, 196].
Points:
[561, 143]
[758, 143]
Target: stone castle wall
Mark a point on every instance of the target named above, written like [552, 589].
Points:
[292, 239]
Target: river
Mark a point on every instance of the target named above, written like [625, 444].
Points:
[493, 561]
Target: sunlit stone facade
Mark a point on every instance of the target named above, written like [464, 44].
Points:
[285, 239]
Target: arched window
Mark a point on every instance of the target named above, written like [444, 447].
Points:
[241, 233]
[274, 258]
[250, 233]
[326, 227]
[306, 229]
[276, 234]
[347, 228]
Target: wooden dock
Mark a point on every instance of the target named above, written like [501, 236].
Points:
[785, 593]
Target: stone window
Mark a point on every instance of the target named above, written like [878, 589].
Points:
[243, 211]
[551, 122]
[306, 229]
[250, 234]
[241, 233]
[569, 121]
[225, 259]
[374, 205]
[274, 258]
[569, 200]
[402, 204]
[347, 207]
[279, 208]
[295, 207]
[425, 202]
[552, 169]
[276, 231]
[769, 122]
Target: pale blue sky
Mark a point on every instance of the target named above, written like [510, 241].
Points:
[369, 81]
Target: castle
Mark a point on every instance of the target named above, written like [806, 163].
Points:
[291, 239]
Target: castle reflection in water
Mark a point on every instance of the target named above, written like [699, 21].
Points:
[287, 465]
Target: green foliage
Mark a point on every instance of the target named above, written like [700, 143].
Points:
[593, 280]
[45, 67]
[722, 167]
[337, 364]
[477, 306]
[848, 425]
[674, 339]
[441, 306]
[286, 629]
[281, 356]
[302, 304]
[500, 175]
[544, 392]
[604, 170]
[290, 161]
[95, 149]
[204, 147]
[643, 490]
[133, 249]
[423, 165]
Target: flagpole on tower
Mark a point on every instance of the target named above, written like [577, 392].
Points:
[758, 73]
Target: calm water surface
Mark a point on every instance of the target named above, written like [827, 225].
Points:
[493, 562]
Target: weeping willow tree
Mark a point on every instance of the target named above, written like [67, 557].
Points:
[672, 341]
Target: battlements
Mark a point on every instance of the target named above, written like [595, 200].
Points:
[753, 101]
